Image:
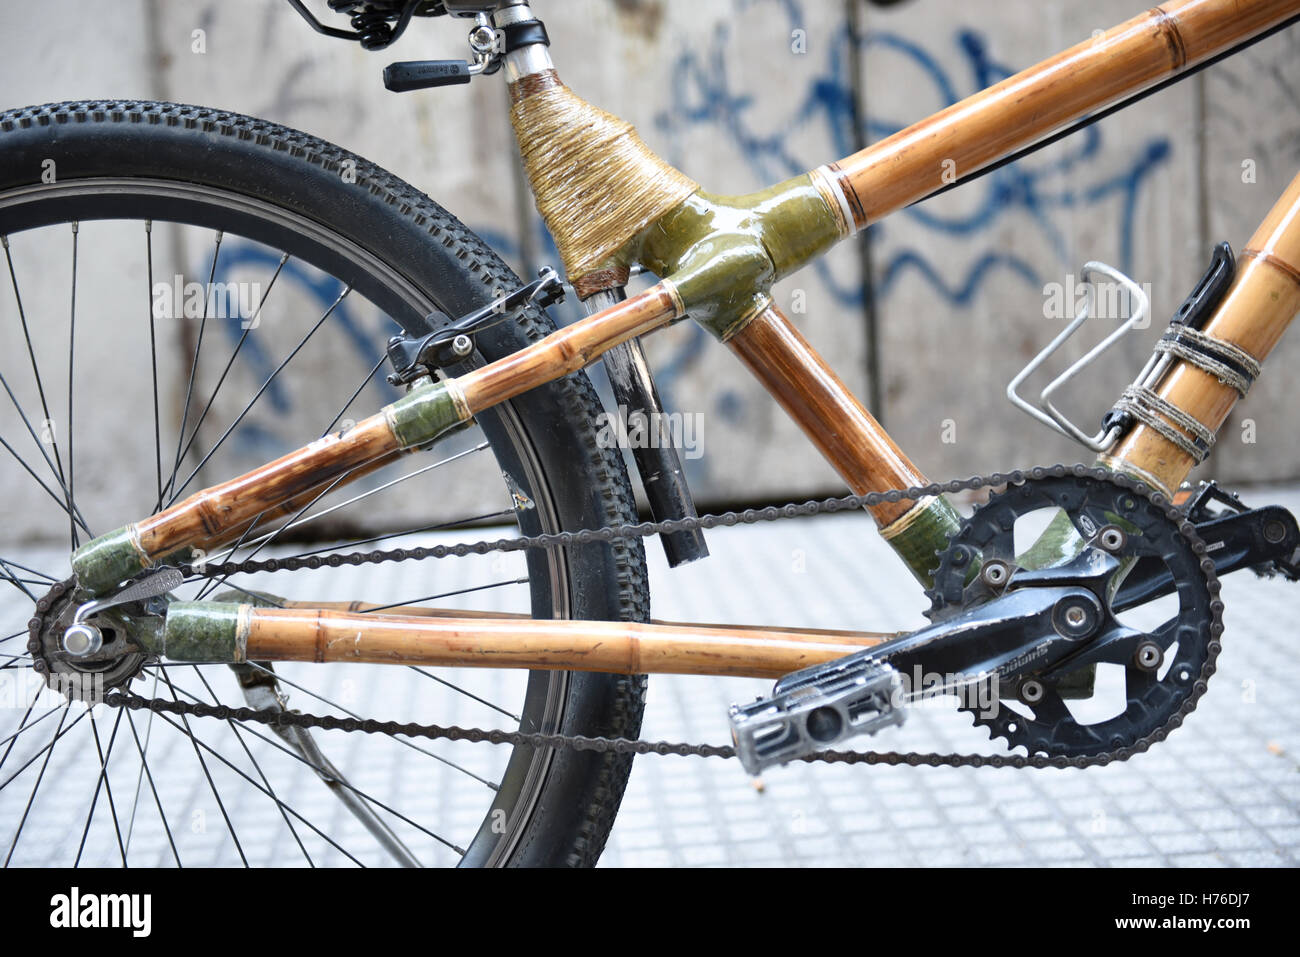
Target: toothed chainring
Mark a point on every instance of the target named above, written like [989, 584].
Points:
[1152, 696]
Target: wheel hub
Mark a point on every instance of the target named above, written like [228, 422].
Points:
[84, 659]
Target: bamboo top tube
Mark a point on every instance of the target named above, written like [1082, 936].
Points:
[1026, 107]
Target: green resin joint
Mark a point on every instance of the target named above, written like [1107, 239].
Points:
[425, 413]
[206, 631]
[104, 562]
[924, 538]
[723, 253]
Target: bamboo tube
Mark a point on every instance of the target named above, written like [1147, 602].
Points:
[214, 514]
[1263, 299]
[218, 514]
[290, 634]
[292, 506]
[837, 636]
[848, 436]
[569, 349]
[841, 428]
[1032, 104]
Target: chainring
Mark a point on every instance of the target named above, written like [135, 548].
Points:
[1152, 695]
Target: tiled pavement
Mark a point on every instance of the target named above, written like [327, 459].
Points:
[1223, 791]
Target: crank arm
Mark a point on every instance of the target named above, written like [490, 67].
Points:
[1029, 628]
[1260, 537]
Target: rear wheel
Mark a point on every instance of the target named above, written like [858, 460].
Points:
[276, 266]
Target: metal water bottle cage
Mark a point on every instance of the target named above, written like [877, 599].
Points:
[1196, 308]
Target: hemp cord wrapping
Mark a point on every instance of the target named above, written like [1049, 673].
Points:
[595, 181]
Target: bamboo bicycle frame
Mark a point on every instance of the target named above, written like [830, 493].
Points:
[719, 256]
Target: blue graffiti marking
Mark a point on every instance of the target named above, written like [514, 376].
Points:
[704, 94]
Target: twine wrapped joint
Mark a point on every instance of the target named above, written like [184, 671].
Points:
[596, 183]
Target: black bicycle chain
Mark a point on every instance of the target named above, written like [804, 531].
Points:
[277, 717]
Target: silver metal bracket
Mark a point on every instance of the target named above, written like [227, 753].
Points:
[1139, 318]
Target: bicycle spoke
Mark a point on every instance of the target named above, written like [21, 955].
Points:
[50, 578]
[72, 351]
[55, 468]
[153, 359]
[251, 729]
[208, 587]
[62, 503]
[12, 579]
[144, 770]
[58, 734]
[260, 773]
[253, 595]
[69, 505]
[102, 782]
[31, 355]
[200, 743]
[405, 741]
[194, 366]
[48, 751]
[447, 594]
[139, 777]
[353, 397]
[207, 774]
[437, 526]
[457, 688]
[23, 726]
[270, 538]
[296, 523]
[257, 395]
[249, 326]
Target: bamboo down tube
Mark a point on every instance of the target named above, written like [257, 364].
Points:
[292, 634]
[1029, 106]
[1262, 302]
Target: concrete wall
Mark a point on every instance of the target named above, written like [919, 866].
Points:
[764, 90]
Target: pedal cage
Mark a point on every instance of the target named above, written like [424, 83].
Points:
[816, 713]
